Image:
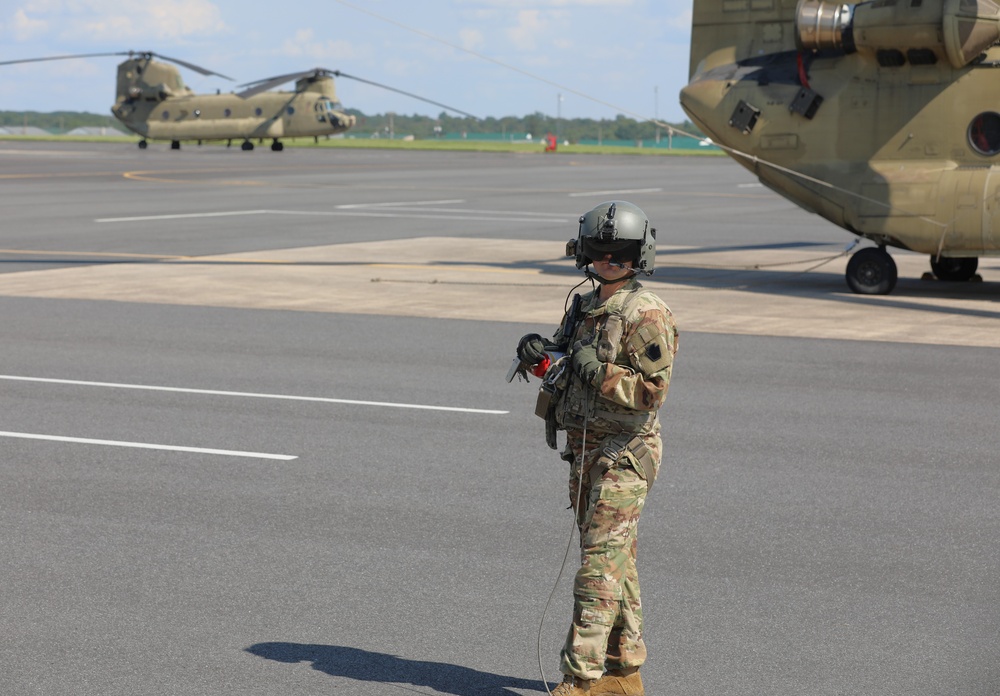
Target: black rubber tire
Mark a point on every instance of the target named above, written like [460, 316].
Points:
[957, 269]
[871, 271]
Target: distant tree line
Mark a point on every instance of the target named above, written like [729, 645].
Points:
[57, 121]
[401, 125]
[537, 124]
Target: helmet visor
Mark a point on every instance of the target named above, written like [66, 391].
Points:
[621, 251]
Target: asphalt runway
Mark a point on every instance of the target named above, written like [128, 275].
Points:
[256, 437]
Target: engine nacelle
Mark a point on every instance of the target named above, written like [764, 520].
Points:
[955, 30]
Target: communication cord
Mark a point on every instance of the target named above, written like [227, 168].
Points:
[569, 543]
[590, 394]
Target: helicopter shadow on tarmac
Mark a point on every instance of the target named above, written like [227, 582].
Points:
[367, 666]
[828, 286]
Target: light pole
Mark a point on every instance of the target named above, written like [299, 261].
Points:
[558, 113]
[656, 111]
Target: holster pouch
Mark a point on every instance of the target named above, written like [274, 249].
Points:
[626, 445]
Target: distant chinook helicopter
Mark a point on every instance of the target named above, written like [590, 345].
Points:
[153, 102]
[882, 117]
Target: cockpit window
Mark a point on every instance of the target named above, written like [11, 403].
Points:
[327, 104]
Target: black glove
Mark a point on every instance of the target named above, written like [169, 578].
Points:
[586, 363]
[531, 349]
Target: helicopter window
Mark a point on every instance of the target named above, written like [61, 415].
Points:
[228, 113]
[984, 133]
[166, 115]
[291, 110]
[258, 111]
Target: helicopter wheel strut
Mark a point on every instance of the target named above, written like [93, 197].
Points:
[277, 146]
[871, 271]
[143, 144]
[247, 145]
[956, 269]
[175, 144]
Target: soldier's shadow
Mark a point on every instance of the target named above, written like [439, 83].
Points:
[363, 665]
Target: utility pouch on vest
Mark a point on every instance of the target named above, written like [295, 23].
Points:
[610, 337]
[548, 396]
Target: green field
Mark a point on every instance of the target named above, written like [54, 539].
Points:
[385, 144]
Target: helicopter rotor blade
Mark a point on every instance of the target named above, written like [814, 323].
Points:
[78, 55]
[408, 94]
[259, 86]
[191, 66]
[146, 54]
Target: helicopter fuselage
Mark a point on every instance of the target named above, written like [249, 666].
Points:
[230, 117]
[154, 102]
[884, 121]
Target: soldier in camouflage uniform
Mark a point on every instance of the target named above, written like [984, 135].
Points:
[620, 344]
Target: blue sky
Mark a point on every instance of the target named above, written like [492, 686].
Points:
[602, 57]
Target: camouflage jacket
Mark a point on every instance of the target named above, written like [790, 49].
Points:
[637, 339]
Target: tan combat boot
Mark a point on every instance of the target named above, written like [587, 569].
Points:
[620, 682]
[573, 686]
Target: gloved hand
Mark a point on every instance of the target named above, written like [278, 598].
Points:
[531, 349]
[586, 363]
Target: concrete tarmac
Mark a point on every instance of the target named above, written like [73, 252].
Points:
[257, 440]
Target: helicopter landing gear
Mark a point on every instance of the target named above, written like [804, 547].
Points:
[958, 269]
[175, 144]
[143, 144]
[277, 146]
[247, 145]
[871, 271]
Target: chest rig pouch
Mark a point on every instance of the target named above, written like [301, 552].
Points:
[553, 385]
[580, 402]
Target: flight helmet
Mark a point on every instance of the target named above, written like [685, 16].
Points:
[617, 228]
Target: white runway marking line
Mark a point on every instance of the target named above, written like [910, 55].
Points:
[183, 216]
[498, 216]
[614, 193]
[398, 203]
[143, 445]
[252, 395]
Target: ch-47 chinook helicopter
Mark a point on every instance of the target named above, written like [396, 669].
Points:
[882, 117]
[153, 102]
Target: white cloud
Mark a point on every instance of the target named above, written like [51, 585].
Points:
[24, 27]
[179, 18]
[43, 6]
[471, 39]
[112, 20]
[305, 44]
[529, 25]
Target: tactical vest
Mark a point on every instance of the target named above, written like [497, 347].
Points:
[577, 403]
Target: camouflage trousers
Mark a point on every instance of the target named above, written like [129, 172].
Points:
[606, 632]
